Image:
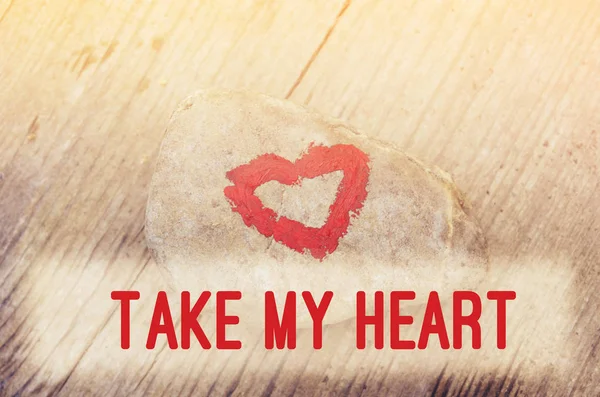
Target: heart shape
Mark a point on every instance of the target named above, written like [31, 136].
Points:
[318, 160]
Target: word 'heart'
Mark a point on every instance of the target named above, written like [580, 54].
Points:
[318, 160]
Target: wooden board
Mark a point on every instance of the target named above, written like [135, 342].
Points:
[504, 95]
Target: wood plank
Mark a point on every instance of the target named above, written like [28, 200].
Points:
[501, 94]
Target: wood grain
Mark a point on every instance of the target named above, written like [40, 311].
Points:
[504, 95]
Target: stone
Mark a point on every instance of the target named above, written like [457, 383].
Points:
[392, 223]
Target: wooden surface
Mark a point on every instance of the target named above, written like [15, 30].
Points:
[504, 95]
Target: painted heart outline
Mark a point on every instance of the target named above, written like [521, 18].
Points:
[318, 160]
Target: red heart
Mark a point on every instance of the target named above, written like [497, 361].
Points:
[318, 160]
